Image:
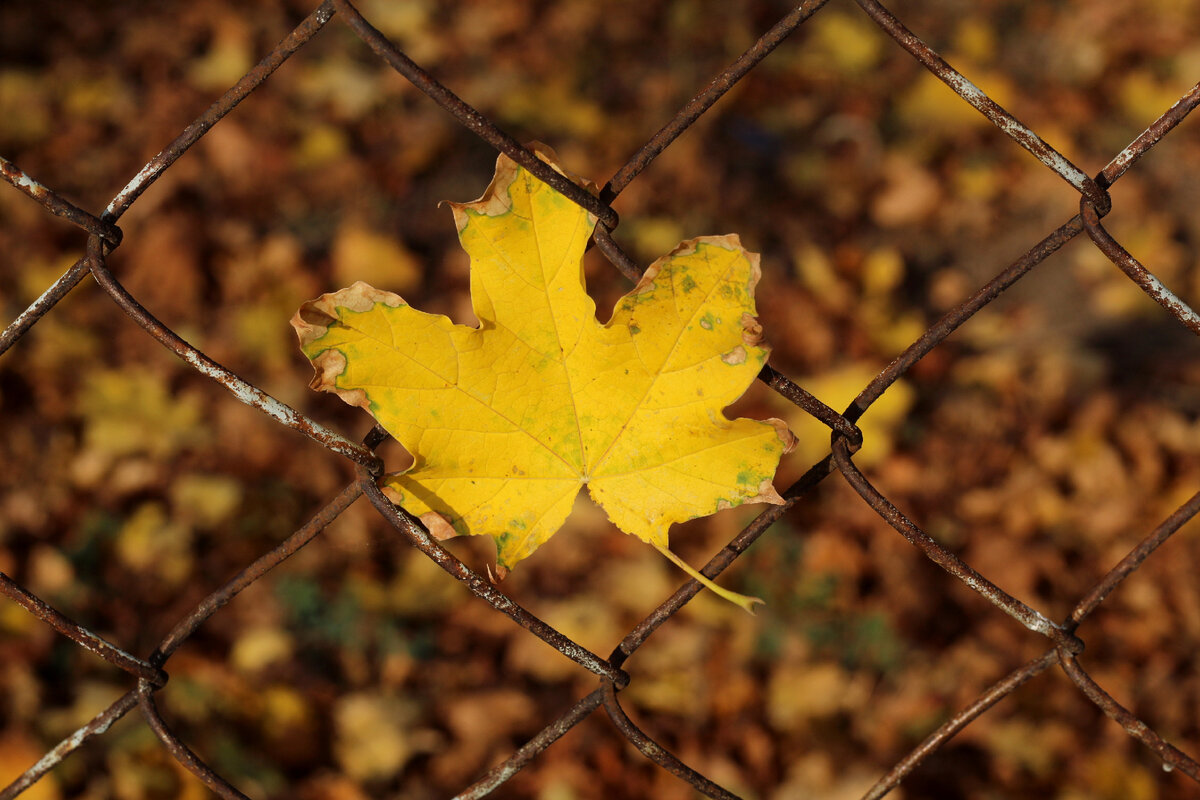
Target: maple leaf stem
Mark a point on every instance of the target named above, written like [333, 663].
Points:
[744, 600]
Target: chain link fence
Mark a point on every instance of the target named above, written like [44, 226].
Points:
[1063, 646]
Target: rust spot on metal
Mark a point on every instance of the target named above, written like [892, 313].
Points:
[57, 205]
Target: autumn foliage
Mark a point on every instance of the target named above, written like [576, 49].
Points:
[1039, 442]
[506, 422]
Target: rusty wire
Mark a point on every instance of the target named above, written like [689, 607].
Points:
[1064, 648]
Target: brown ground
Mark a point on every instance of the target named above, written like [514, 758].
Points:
[1039, 443]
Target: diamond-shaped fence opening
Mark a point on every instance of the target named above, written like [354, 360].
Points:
[1026, 385]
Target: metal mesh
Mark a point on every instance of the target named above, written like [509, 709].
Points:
[1064, 648]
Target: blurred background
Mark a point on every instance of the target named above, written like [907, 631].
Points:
[1040, 442]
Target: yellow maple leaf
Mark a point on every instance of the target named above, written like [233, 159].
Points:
[508, 421]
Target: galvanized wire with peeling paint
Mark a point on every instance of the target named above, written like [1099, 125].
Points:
[1064, 648]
